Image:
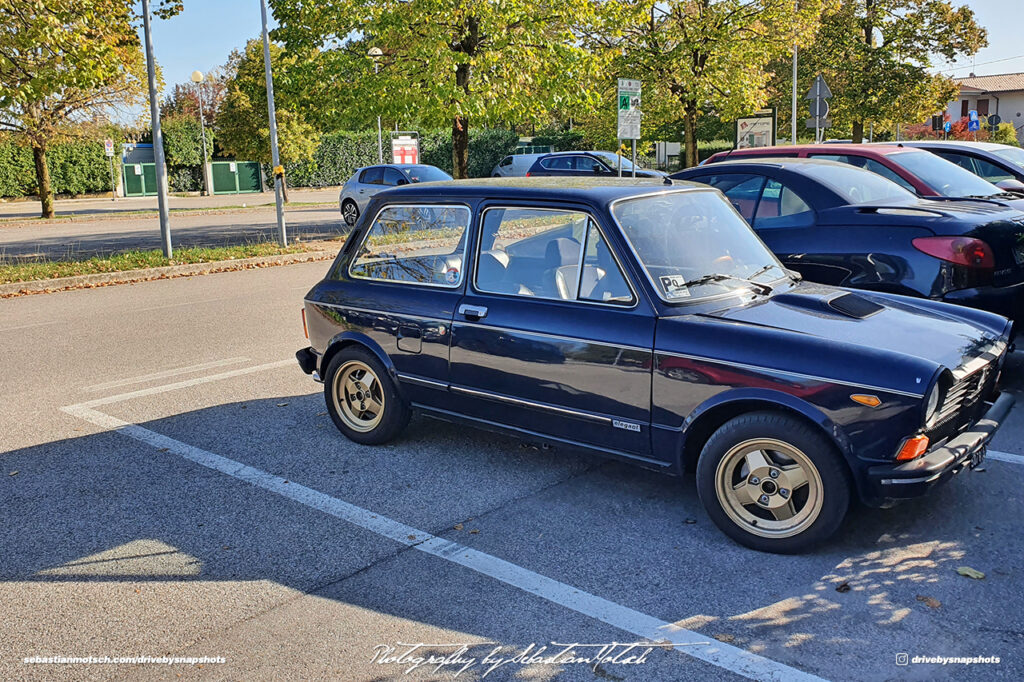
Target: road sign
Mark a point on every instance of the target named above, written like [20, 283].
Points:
[756, 130]
[108, 146]
[818, 123]
[819, 89]
[818, 94]
[972, 115]
[973, 125]
[628, 105]
[947, 126]
[819, 108]
[937, 122]
[405, 148]
[994, 120]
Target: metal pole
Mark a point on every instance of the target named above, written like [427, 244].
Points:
[113, 188]
[282, 234]
[202, 134]
[619, 152]
[792, 139]
[158, 138]
[634, 159]
[380, 140]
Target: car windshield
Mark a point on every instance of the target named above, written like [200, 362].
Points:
[1014, 155]
[859, 186]
[944, 177]
[613, 160]
[693, 244]
[425, 173]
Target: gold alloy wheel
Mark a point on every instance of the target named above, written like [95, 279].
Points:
[358, 396]
[769, 488]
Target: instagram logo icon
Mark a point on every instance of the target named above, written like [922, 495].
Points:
[902, 659]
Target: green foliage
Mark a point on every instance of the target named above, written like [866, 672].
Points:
[184, 178]
[1005, 133]
[183, 145]
[76, 167]
[560, 140]
[242, 125]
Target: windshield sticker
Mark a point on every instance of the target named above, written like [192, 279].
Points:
[675, 286]
[451, 275]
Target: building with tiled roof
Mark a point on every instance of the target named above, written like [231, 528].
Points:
[1001, 94]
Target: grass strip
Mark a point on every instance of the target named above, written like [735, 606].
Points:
[136, 260]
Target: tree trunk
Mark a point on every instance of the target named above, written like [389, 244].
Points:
[858, 132]
[460, 147]
[43, 180]
[690, 158]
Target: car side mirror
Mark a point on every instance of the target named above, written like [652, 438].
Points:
[1011, 185]
[402, 181]
[598, 169]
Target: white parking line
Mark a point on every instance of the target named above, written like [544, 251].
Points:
[182, 384]
[723, 655]
[1005, 457]
[165, 374]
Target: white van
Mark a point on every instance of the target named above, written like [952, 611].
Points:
[515, 165]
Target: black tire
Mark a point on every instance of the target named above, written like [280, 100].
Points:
[351, 216]
[784, 449]
[368, 425]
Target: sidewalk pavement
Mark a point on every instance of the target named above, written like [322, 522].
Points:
[99, 207]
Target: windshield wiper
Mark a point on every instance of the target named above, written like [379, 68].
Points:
[718, 277]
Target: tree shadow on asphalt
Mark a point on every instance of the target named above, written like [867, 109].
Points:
[107, 508]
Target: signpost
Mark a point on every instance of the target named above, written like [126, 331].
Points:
[973, 124]
[108, 149]
[946, 127]
[756, 130]
[405, 147]
[819, 95]
[993, 122]
[629, 115]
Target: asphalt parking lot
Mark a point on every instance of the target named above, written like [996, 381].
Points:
[172, 485]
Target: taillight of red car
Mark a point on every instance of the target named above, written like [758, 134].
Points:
[965, 251]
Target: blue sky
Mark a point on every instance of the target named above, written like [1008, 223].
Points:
[204, 34]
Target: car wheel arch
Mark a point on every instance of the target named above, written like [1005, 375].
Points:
[711, 415]
[347, 339]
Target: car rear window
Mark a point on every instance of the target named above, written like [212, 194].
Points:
[414, 244]
[859, 186]
[426, 173]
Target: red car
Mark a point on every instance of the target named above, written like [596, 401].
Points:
[917, 170]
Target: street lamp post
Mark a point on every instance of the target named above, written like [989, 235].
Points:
[275, 156]
[158, 138]
[375, 53]
[197, 78]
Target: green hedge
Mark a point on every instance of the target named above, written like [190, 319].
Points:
[78, 167]
[340, 153]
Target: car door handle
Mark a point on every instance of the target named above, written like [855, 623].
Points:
[472, 312]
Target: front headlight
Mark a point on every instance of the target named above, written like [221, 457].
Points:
[931, 409]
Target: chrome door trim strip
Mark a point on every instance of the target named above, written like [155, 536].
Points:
[792, 374]
[429, 383]
[529, 403]
[552, 336]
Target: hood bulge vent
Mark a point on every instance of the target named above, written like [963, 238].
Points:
[847, 304]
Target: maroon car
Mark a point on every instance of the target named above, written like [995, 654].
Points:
[917, 170]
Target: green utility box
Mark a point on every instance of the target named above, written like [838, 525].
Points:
[235, 177]
[139, 179]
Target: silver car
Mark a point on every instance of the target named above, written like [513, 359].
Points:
[367, 181]
[515, 165]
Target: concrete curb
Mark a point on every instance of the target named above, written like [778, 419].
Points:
[102, 279]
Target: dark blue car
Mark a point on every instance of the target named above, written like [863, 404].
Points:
[587, 164]
[846, 226]
[645, 321]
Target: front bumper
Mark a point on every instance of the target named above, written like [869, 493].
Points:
[915, 478]
[308, 361]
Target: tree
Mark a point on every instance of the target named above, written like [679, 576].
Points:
[449, 61]
[184, 98]
[242, 125]
[62, 61]
[875, 56]
[704, 55]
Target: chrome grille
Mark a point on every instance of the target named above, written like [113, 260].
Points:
[963, 394]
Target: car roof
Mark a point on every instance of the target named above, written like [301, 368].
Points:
[794, 163]
[834, 148]
[582, 189]
[955, 144]
[567, 153]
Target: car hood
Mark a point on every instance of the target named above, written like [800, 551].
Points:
[928, 331]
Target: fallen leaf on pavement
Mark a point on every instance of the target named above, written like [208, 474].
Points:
[458, 526]
[163, 450]
[969, 572]
[320, 414]
[728, 639]
[281, 404]
[844, 587]
[13, 473]
[412, 537]
[929, 601]
[474, 532]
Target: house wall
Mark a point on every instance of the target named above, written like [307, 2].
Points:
[1010, 108]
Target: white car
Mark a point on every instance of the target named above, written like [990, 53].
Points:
[367, 181]
[515, 165]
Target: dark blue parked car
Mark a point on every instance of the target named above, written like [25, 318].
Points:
[846, 226]
[587, 164]
[645, 321]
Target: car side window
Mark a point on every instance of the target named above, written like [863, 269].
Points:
[392, 177]
[991, 171]
[419, 244]
[590, 165]
[886, 172]
[538, 253]
[372, 176]
[780, 206]
[507, 161]
[558, 163]
[961, 160]
[741, 189]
